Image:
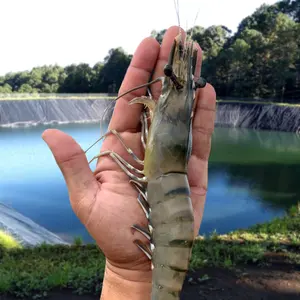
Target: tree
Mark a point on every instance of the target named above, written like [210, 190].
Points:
[158, 35]
[113, 70]
[291, 8]
[5, 89]
[26, 88]
[78, 79]
[96, 82]
[262, 20]
[211, 39]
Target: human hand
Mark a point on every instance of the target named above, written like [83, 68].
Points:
[104, 201]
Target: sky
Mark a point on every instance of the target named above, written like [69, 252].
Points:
[36, 33]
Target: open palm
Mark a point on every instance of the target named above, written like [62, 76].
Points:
[105, 201]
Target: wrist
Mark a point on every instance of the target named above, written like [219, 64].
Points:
[119, 284]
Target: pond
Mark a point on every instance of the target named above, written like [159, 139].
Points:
[253, 177]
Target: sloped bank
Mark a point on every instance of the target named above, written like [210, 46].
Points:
[258, 116]
[24, 230]
[255, 115]
[33, 112]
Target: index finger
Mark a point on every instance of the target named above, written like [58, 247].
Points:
[163, 57]
[127, 117]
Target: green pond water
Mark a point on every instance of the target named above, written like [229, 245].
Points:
[254, 176]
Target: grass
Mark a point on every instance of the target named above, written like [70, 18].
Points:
[35, 271]
[281, 235]
[7, 241]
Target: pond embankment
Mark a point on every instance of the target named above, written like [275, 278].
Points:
[16, 113]
[254, 115]
[24, 230]
[259, 116]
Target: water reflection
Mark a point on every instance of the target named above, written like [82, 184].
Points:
[253, 177]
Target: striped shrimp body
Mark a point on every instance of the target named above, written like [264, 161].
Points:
[165, 167]
[164, 191]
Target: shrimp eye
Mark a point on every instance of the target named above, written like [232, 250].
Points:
[200, 83]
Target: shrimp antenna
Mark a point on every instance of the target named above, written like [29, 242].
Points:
[176, 4]
[192, 31]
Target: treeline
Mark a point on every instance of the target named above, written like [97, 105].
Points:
[101, 78]
[260, 61]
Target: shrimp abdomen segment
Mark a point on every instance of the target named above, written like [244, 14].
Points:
[172, 220]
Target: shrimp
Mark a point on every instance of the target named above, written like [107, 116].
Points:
[162, 185]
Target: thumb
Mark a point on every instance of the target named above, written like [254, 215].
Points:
[74, 166]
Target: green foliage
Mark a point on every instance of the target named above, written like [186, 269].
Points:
[113, 71]
[249, 246]
[294, 210]
[283, 226]
[78, 79]
[36, 271]
[291, 8]
[215, 252]
[5, 88]
[211, 39]
[158, 35]
[78, 241]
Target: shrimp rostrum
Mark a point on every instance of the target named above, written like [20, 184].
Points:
[164, 191]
